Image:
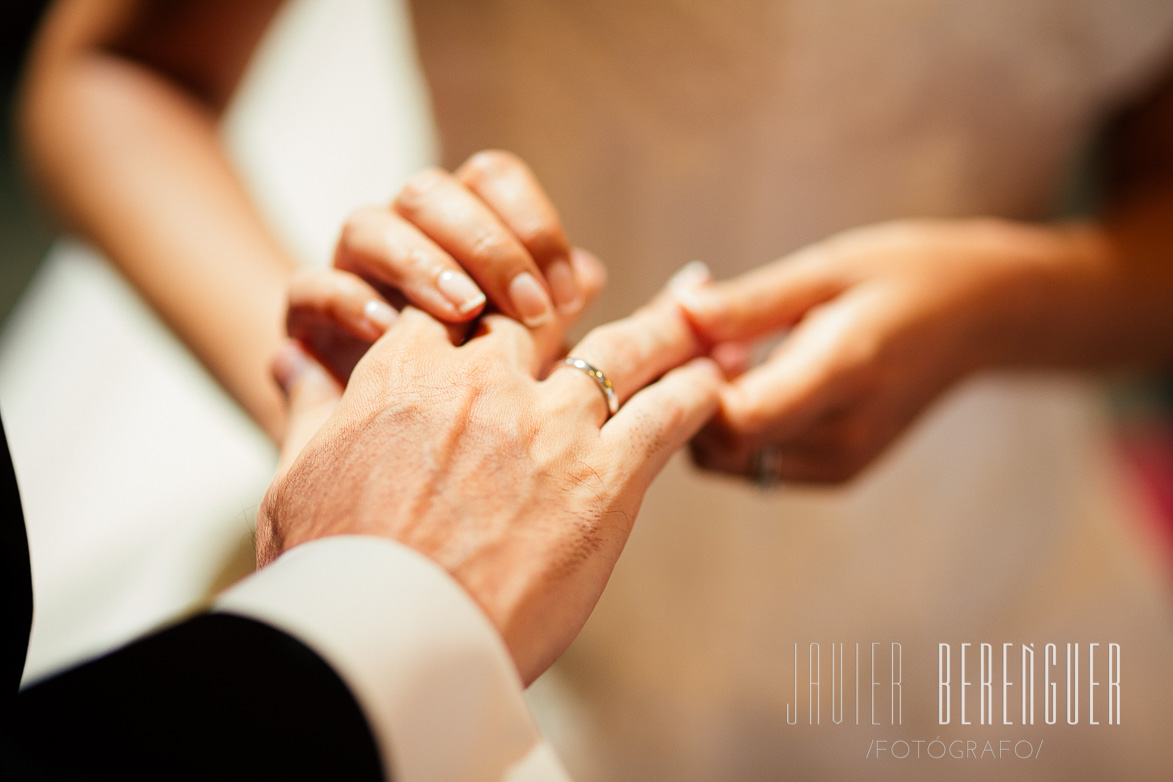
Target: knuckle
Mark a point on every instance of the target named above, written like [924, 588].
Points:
[544, 239]
[492, 250]
[359, 219]
[489, 163]
[354, 227]
[608, 345]
[361, 235]
[485, 363]
[302, 285]
[418, 189]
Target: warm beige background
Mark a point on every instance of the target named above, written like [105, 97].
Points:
[732, 132]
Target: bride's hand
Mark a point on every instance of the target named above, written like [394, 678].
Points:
[446, 244]
[879, 321]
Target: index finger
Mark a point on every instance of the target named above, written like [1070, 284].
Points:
[762, 300]
[811, 371]
[508, 186]
[462, 224]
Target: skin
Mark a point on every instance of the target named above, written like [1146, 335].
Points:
[389, 256]
[878, 323]
[882, 320]
[521, 488]
[118, 125]
[118, 117]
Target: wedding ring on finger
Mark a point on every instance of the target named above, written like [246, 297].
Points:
[601, 381]
[766, 467]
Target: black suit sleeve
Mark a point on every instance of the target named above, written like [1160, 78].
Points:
[16, 602]
[215, 697]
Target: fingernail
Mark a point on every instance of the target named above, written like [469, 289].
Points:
[686, 283]
[460, 290]
[563, 286]
[689, 287]
[690, 275]
[379, 313]
[710, 366]
[530, 299]
[691, 299]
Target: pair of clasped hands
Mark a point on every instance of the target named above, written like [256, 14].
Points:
[428, 401]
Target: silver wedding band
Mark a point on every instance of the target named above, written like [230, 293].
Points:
[601, 381]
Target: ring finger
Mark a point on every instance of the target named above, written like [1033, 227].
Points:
[630, 353]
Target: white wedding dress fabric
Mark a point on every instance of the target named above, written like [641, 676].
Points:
[140, 477]
[666, 131]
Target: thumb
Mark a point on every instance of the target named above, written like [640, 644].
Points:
[311, 392]
[761, 301]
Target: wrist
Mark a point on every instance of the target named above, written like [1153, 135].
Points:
[1052, 292]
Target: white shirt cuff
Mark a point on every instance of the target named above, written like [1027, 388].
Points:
[432, 675]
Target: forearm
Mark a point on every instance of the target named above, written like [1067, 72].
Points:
[1108, 301]
[132, 161]
[1125, 318]
[1092, 295]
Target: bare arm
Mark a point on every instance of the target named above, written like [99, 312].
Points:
[1133, 305]
[118, 121]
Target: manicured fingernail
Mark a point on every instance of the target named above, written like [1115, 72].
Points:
[710, 366]
[379, 313]
[690, 275]
[689, 286]
[530, 299]
[460, 290]
[690, 298]
[562, 286]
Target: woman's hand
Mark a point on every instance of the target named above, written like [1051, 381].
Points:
[878, 322]
[523, 489]
[450, 245]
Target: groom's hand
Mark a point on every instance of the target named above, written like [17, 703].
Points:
[525, 490]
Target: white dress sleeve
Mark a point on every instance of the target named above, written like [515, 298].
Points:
[432, 675]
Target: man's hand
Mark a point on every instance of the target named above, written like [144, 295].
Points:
[521, 488]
